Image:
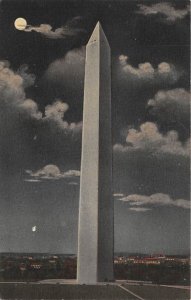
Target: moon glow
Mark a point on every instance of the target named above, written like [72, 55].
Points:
[20, 24]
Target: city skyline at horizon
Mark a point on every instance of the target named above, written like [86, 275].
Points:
[41, 102]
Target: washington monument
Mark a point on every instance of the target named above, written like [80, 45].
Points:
[95, 232]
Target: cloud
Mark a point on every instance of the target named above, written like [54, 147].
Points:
[31, 108]
[159, 199]
[73, 183]
[148, 138]
[28, 78]
[149, 161]
[72, 173]
[146, 73]
[32, 180]
[139, 209]
[166, 10]
[29, 136]
[73, 61]
[12, 93]
[70, 29]
[54, 115]
[62, 73]
[55, 112]
[13, 98]
[118, 195]
[65, 76]
[52, 172]
[171, 106]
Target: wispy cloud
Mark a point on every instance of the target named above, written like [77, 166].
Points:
[32, 180]
[146, 73]
[155, 200]
[140, 209]
[51, 172]
[73, 183]
[165, 9]
[70, 29]
[71, 174]
[117, 195]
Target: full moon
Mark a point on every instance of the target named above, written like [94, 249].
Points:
[20, 24]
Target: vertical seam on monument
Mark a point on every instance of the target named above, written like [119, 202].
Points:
[99, 153]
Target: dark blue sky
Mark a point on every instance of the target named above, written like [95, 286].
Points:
[41, 104]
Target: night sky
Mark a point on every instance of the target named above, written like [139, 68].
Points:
[41, 105]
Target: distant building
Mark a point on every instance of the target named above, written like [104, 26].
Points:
[35, 266]
[22, 267]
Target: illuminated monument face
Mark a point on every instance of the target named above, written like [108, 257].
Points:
[95, 235]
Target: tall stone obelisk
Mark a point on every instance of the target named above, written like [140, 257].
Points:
[95, 232]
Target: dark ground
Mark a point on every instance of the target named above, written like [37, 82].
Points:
[159, 292]
[26, 291]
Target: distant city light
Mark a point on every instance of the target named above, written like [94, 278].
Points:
[34, 228]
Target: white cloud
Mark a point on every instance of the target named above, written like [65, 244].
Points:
[167, 10]
[46, 30]
[11, 84]
[12, 93]
[140, 209]
[148, 138]
[155, 200]
[13, 99]
[145, 72]
[171, 105]
[73, 183]
[52, 172]
[32, 180]
[118, 195]
[50, 133]
[68, 30]
[49, 171]
[55, 112]
[31, 108]
[72, 173]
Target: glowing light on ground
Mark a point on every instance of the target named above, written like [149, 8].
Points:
[34, 228]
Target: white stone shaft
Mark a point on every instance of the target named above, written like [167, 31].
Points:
[95, 231]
